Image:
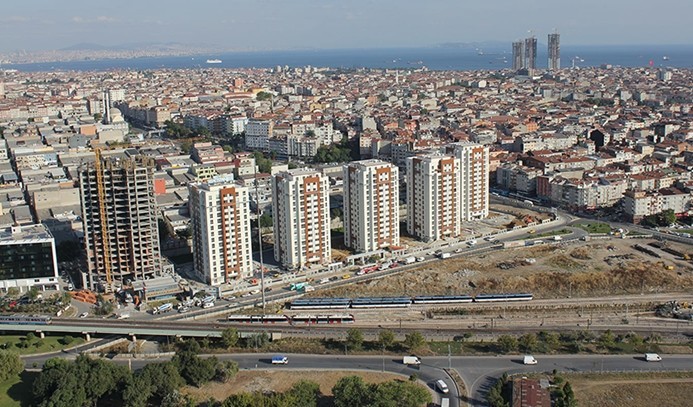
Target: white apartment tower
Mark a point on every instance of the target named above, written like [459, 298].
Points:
[433, 196]
[371, 205]
[301, 211]
[220, 215]
[474, 178]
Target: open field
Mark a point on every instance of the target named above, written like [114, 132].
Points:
[37, 345]
[273, 380]
[633, 390]
[577, 269]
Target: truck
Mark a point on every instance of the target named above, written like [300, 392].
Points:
[280, 360]
[385, 265]
[445, 403]
[652, 357]
[410, 260]
[411, 360]
[296, 286]
[163, 308]
[529, 360]
[444, 255]
[307, 288]
[209, 298]
[557, 238]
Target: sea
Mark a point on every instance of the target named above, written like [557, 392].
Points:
[434, 58]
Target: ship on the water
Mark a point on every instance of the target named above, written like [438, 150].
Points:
[214, 61]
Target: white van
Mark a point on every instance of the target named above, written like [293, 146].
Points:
[652, 357]
[529, 360]
[442, 387]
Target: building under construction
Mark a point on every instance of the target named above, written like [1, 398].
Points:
[121, 233]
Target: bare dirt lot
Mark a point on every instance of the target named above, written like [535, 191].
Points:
[626, 391]
[263, 381]
[593, 268]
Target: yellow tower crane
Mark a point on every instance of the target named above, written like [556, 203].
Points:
[100, 187]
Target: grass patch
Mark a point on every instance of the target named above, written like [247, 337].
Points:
[689, 231]
[27, 346]
[17, 392]
[594, 227]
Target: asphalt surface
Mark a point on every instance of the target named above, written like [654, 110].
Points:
[478, 372]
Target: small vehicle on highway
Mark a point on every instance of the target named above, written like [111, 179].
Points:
[346, 276]
[529, 360]
[441, 386]
[280, 360]
[182, 310]
[652, 357]
[84, 315]
[411, 360]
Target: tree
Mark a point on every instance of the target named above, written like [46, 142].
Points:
[163, 378]
[386, 338]
[354, 338]
[194, 369]
[400, 394]
[606, 340]
[263, 96]
[226, 371]
[528, 342]
[414, 341]
[104, 307]
[264, 165]
[12, 292]
[98, 117]
[266, 220]
[10, 365]
[351, 391]
[551, 339]
[33, 293]
[507, 343]
[305, 393]
[68, 250]
[229, 337]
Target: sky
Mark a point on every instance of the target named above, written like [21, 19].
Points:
[329, 24]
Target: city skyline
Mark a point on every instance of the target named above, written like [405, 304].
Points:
[329, 24]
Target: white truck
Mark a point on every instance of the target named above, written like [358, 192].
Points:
[529, 360]
[410, 260]
[411, 360]
[444, 255]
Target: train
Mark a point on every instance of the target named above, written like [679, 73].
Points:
[401, 302]
[292, 320]
[25, 319]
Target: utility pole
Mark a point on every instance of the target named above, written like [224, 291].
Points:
[449, 357]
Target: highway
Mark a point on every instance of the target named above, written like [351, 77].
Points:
[478, 372]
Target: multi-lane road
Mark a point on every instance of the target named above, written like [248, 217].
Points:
[478, 372]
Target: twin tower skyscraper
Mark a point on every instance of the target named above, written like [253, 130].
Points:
[525, 53]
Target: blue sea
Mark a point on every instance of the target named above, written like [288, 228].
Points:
[435, 58]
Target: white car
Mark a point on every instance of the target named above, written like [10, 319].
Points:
[84, 315]
[442, 387]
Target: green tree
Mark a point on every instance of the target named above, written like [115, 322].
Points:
[354, 338]
[194, 369]
[400, 394]
[386, 338]
[263, 96]
[266, 220]
[551, 339]
[351, 391]
[33, 293]
[98, 117]
[10, 365]
[258, 340]
[229, 337]
[163, 378]
[137, 392]
[13, 292]
[226, 370]
[528, 342]
[414, 341]
[305, 393]
[104, 307]
[264, 165]
[607, 340]
[507, 343]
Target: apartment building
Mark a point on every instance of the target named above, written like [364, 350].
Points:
[433, 196]
[300, 206]
[371, 205]
[639, 204]
[119, 210]
[257, 134]
[474, 178]
[220, 214]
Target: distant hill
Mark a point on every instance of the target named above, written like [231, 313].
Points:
[137, 46]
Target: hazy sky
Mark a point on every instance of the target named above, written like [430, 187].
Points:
[286, 24]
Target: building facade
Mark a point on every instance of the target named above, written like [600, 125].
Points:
[301, 211]
[518, 55]
[121, 232]
[530, 53]
[554, 52]
[371, 205]
[220, 214]
[474, 179]
[27, 258]
[433, 197]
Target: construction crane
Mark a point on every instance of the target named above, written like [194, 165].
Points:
[104, 222]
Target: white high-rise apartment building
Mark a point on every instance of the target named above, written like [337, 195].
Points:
[220, 214]
[301, 211]
[371, 205]
[433, 196]
[474, 178]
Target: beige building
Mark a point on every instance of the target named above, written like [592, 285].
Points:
[301, 211]
[433, 196]
[371, 205]
[474, 179]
